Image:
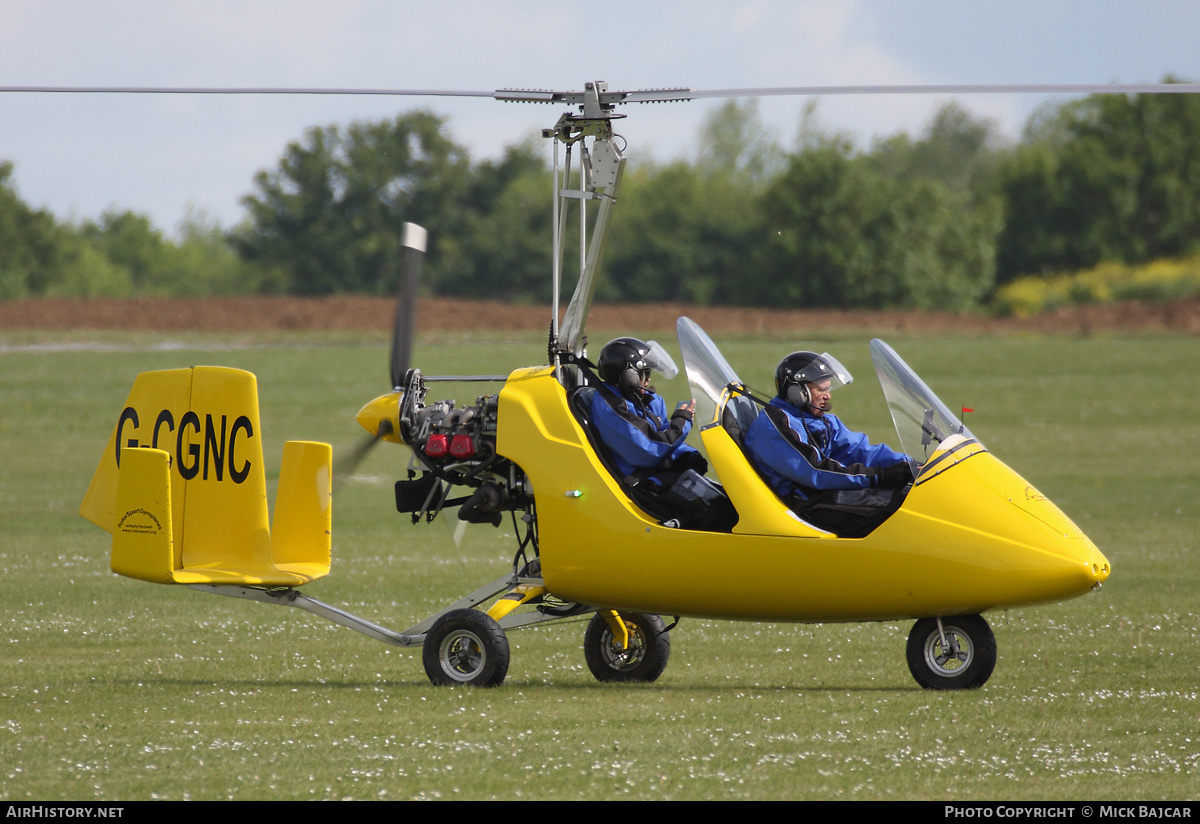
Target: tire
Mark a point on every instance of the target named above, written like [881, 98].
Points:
[465, 647]
[966, 666]
[646, 658]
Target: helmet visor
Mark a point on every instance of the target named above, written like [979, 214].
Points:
[824, 367]
[658, 360]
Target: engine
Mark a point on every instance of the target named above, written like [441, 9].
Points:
[451, 438]
[452, 447]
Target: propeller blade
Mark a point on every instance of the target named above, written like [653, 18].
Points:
[404, 327]
[346, 465]
[457, 530]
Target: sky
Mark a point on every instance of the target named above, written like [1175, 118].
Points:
[171, 156]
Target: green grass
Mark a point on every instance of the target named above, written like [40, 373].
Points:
[112, 689]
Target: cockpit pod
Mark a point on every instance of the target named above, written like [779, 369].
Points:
[971, 535]
[964, 485]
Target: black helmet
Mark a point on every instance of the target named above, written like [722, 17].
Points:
[800, 368]
[624, 361]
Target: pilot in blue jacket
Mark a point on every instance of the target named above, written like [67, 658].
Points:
[647, 447]
[831, 475]
[632, 419]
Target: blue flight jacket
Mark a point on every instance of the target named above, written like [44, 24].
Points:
[826, 450]
[635, 440]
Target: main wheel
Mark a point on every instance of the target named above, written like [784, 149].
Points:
[465, 646]
[644, 660]
[963, 662]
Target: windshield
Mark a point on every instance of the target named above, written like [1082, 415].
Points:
[707, 370]
[922, 421]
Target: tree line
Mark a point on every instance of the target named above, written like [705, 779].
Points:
[940, 220]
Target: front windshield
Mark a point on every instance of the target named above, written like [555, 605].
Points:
[922, 421]
[707, 370]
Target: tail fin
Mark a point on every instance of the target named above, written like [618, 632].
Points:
[203, 422]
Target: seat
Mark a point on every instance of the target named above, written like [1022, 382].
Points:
[736, 418]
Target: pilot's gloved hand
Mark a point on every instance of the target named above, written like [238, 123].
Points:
[685, 410]
[894, 476]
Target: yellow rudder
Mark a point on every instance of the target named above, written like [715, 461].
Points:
[143, 543]
[300, 528]
[225, 524]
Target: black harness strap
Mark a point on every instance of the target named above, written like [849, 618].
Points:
[783, 426]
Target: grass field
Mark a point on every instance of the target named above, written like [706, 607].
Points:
[111, 689]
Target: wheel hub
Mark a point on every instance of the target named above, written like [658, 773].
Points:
[951, 657]
[462, 655]
[618, 658]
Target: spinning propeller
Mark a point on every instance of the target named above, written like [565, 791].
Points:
[412, 253]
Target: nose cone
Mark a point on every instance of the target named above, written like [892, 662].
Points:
[1072, 543]
[1024, 548]
[381, 417]
[1076, 564]
[1098, 568]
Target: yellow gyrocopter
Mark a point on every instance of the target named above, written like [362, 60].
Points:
[182, 488]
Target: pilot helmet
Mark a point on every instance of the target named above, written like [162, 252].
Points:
[800, 368]
[627, 362]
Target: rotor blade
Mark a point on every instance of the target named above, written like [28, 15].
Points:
[641, 95]
[239, 90]
[951, 88]
[404, 327]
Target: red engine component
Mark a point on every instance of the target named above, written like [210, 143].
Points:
[461, 446]
[437, 446]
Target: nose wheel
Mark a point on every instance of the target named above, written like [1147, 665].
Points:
[643, 659]
[957, 653]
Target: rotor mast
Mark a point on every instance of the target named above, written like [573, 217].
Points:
[597, 177]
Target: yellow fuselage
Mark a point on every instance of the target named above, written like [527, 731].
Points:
[971, 536]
